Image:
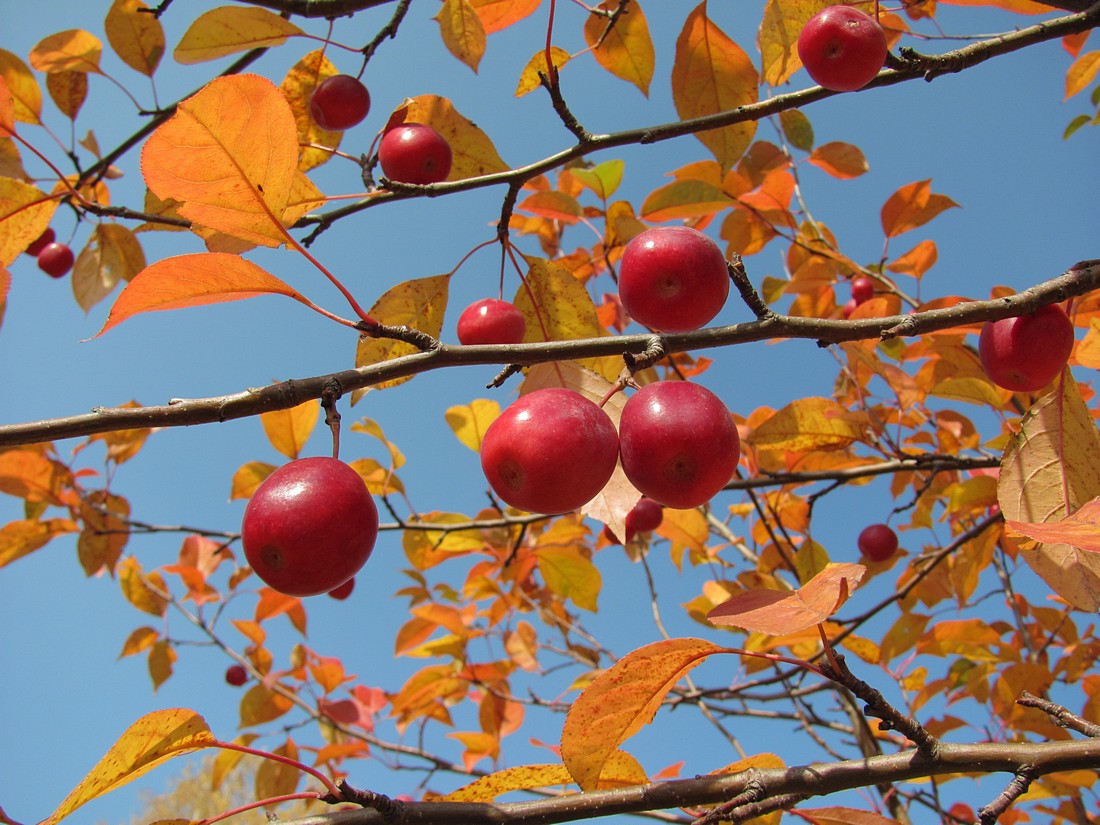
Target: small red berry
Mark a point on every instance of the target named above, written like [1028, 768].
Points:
[842, 48]
[646, 515]
[490, 321]
[56, 259]
[41, 242]
[414, 153]
[343, 591]
[236, 675]
[1026, 353]
[877, 542]
[863, 290]
[339, 103]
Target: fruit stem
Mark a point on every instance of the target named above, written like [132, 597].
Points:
[275, 800]
[285, 760]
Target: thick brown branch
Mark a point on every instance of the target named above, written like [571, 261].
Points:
[1079, 280]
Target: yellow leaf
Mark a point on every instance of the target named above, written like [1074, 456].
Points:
[783, 22]
[625, 49]
[248, 478]
[74, 50]
[1052, 464]
[1087, 353]
[162, 656]
[26, 94]
[1082, 73]
[139, 640]
[231, 29]
[288, 430]
[298, 85]
[194, 280]
[779, 612]
[68, 90]
[603, 180]
[571, 575]
[21, 538]
[138, 587]
[462, 32]
[839, 159]
[380, 480]
[147, 743]
[522, 778]
[809, 424]
[713, 74]
[469, 421]
[371, 428]
[262, 704]
[473, 153]
[620, 701]
[136, 36]
[417, 304]
[113, 253]
[685, 199]
[230, 155]
[25, 212]
[529, 77]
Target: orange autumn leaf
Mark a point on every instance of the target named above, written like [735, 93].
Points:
[779, 612]
[25, 212]
[26, 93]
[911, 206]
[783, 21]
[1080, 530]
[809, 424]
[21, 538]
[194, 280]
[839, 159]
[74, 50]
[1082, 73]
[685, 198]
[68, 90]
[500, 14]
[230, 156]
[136, 35]
[917, 260]
[520, 778]
[623, 699]
[462, 32]
[7, 108]
[625, 49]
[557, 206]
[288, 430]
[228, 30]
[713, 74]
[153, 739]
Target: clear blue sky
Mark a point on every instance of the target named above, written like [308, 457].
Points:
[990, 138]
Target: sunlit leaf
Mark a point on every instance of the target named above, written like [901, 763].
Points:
[21, 538]
[106, 531]
[462, 32]
[778, 612]
[911, 206]
[809, 424]
[26, 93]
[470, 421]
[1080, 529]
[231, 29]
[151, 740]
[525, 777]
[555, 305]
[625, 49]
[844, 816]
[136, 36]
[161, 661]
[25, 212]
[557, 206]
[685, 199]
[7, 110]
[248, 477]
[74, 50]
[841, 160]
[620, 701]
[230, 155]
[262, 704]
[298, 86]
[783, 22]
[603, 179]
[194, 280]
[571, 575]
[68, 90]
[289, 430]
[917, 260]
[713, 74]
[529, 77]
[140, 639]
[28, 473]
[1082, 73]
[797, 129]
[473, 153]
[145, 591]
[113, 254]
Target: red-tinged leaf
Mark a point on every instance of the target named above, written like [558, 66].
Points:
[917, 260]
[557, 206]
[136, 35]
[713, 74]
[25, 212]
[26, 93]
[139, 640]
[21, 538]
[844, 816]
[1049, 470]
[231, 29]
[620, 701]
[529, 78]
[151, 740]
[74, 50]
[500, 14]
[778, 37]
[462, 32]
[1082, 73]
[473, 153]
[289, 430]
[839, 159]
[779, 612]
[1017, 6]
[273, 603]
[911, 206]
[262, 704]
[194, 280]
[1080, 530]
[624, 49]
[230, 156]
[143, 590]
[685, 199]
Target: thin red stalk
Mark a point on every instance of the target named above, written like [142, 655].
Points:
[275, 800]
[285, 760]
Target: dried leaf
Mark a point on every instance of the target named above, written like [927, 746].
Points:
[525, 777]
[626, 48]
[231, 29]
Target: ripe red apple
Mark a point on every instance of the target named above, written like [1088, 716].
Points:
[236, 675]
[644, 516]
[41, 242]
[310, 526]
[339, 103]
[678, 444]
[551, 451]
[1026, 353]
[863, 289]
[414, 153]
[877, 542]
[673, 279]
[490, 321]
[343, 591]
[55, 259]
[842, 48]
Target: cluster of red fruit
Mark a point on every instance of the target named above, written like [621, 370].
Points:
[863, 290]
[842, 48]
[409, 153]
[55, 259]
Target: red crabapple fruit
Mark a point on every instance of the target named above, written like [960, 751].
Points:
[877, 542]
[677, 443]
[236, 675]
[645, 516]
[343, 591]
[414, 153]
[310, 526]
[1026, 353]
[339, 102]
[41, 242]
[863, 290]
[490, 321]
[55, 259]
[673, 279]
[842, 48]
[551, 451]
